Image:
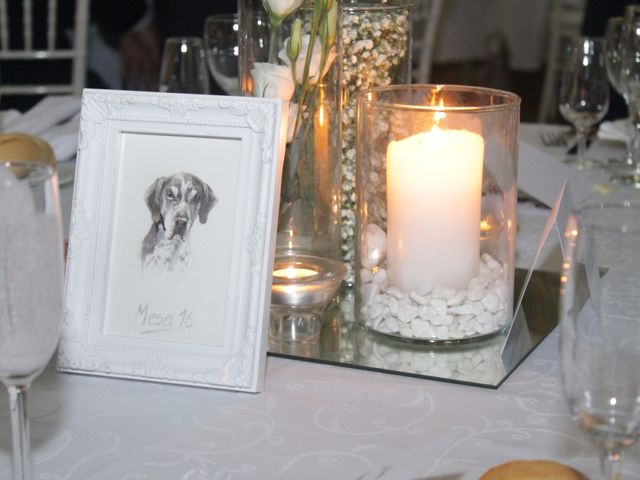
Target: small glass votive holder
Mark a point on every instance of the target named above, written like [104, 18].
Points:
[301, 288]
[436, 188]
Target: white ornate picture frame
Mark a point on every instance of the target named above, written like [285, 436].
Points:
[172, 238]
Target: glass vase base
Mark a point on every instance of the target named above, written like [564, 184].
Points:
[295, 326]
[435, 342]
[626, 179]
[586, 164]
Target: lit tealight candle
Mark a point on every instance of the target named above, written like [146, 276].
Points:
[434, 186]
[294, 273]
[305, 281]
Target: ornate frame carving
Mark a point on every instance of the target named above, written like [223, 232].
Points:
[238, 363]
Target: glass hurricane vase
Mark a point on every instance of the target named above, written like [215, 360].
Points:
[436, 186]
[292, 55]
[288, 50]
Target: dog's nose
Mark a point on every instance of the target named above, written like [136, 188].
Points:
[180, 225]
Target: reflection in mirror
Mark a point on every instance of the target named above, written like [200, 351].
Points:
[485, 363]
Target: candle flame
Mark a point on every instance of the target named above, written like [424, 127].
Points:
[439, 115]
[438, 102]
[321, 115]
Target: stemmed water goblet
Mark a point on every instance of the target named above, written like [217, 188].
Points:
[584, 92]
[31, 264]
[600, 324]
[183, 68]
[221, 48]
[629, 172]
[614, 35]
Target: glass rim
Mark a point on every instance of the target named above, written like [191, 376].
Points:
[183, 39]
[514, 100]
[373, 6]
[606, 222]
[45, 171]
[221, 16]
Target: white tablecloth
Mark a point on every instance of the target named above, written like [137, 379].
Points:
[311, 422]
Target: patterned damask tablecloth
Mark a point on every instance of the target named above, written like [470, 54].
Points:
[311, 422]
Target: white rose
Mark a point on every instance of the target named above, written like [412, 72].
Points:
[314, 65]
[281, 8]
[272, 81]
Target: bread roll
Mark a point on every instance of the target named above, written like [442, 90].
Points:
[532, 470]
[25, 148]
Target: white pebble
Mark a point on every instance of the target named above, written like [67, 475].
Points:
[376, 310]
[439, 305]
[462, 310]
[462, 319]
[476, 293]
[442, 320]
[443, 293]
[419, 299]
[424, 288]
[485, 318]
[393, 305]
[501, 291]
[455, 333]
[501, 317]
[491, 302]
[427, 312]
[391, 324]
[380, 278]
[407, 313]
[395, 292]
[442, 332]
[422, 329]
[457, 299]
[405, 330]
[365, 275]
[369, 292]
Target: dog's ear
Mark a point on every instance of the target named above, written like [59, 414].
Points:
[152, 199]
[208, 201]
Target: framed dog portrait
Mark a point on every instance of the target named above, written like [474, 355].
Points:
[172, 237]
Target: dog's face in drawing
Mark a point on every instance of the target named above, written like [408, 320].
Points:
[176, 201]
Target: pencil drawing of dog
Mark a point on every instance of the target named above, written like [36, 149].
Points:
[174, 202]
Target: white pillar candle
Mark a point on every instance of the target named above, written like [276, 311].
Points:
[434, 188]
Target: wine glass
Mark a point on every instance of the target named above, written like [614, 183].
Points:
[221, 49]
[584, 92]
[613, 40]
[613, 58]
[600, 324]
[183, 68]
[31, 264]
[629, 172]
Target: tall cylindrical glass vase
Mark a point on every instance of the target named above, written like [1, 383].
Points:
[289, 50]
[436, 185]
[376, 51]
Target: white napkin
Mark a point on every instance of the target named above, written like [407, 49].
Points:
[63, 138]
[541, 176]
[617, 130]
[55, 119]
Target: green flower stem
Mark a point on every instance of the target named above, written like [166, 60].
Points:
[274, 27]
[315, 26]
